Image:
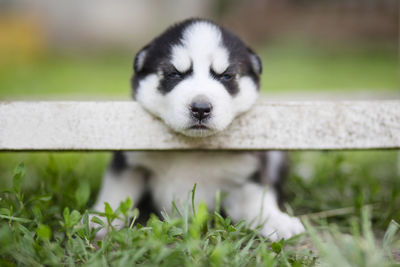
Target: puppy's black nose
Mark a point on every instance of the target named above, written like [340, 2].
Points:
[201, 109]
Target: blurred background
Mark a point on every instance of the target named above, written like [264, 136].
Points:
[311, 49]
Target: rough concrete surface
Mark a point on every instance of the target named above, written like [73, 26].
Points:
[269, 125]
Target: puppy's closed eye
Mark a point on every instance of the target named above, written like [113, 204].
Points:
[223, 77]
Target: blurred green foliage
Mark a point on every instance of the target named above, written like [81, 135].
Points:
[288, 66]
[295, 66]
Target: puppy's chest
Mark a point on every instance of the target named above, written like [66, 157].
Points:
[218, 168]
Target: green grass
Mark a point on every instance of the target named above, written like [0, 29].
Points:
[349, 201]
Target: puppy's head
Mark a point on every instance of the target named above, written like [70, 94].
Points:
[197, 77]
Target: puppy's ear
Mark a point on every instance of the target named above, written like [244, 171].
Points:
[255, 62]
[140, 59]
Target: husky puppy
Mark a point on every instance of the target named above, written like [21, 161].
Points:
[197, 77]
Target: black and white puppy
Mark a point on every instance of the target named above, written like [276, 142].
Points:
[197, 77]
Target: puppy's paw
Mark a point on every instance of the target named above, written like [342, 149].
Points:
[282, 226]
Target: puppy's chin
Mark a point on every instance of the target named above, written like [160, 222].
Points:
[198, 132]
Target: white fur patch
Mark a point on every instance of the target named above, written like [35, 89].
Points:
[149, 96]
[257, 205]
[247, 95]
[220, 60]
[175, 173]
[203, 42]
[181, 58]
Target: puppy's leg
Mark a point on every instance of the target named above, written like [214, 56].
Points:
[258, 206]
[119, 184]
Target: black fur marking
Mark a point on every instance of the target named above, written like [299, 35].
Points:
[171, 78]
[231, 83]
[145, 204]
[118, 162]
[239, 56]
[256, 177]
[279, 184]
[261, 176]
[146, 207]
